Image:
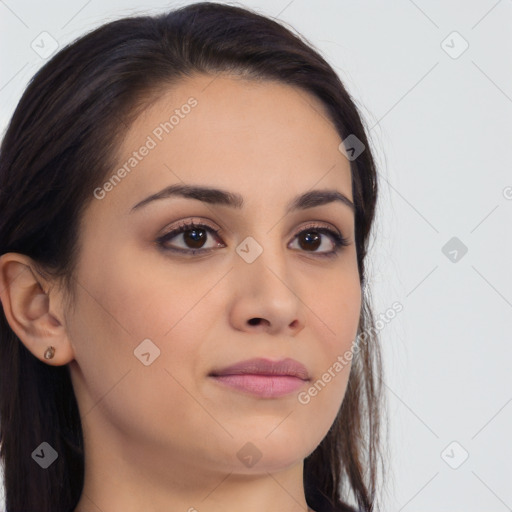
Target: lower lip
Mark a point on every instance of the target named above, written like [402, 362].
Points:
[266, 386]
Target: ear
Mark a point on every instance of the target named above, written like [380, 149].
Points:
[32, 310]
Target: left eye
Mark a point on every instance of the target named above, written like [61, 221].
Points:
[314, 240]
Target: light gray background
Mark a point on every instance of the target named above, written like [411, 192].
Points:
[441, 128]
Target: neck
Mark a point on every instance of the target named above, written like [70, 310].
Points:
[130, 479]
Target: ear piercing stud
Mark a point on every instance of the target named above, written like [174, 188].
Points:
[49, 353]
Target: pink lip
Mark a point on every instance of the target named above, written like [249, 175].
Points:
[263, 377]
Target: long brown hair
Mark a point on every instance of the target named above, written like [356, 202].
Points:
[60, 145]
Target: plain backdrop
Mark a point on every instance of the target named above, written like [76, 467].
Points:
[433, 81]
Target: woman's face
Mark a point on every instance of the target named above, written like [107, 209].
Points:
[158, 316]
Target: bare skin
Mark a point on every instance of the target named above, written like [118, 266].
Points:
[167, 436]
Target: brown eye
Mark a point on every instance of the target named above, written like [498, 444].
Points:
[190, 237]
[194, 238]
[310, 240]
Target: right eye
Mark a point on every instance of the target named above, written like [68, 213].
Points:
[193, 237]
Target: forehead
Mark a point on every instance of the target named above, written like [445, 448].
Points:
[253, 137]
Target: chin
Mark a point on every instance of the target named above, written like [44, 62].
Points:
[272, 454]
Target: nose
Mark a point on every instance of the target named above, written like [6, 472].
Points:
[265, 298]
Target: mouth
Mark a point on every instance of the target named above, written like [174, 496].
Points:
[263, 377]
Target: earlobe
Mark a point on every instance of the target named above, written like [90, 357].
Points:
[32, 311]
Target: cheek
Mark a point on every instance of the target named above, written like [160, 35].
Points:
[117, 312]
[322, 399]
[126, 299]
[148, 296]
[335, 307]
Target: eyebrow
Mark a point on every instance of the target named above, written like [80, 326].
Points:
[225, 198]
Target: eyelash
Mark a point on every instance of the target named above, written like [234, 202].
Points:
[338, 240]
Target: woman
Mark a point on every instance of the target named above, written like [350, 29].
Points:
[185, 211]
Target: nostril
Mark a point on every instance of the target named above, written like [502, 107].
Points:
[254, 321]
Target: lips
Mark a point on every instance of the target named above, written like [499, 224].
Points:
[286, 367]
[263, 378]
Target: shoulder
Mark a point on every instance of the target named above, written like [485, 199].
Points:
[345, 508]
[337, 508]
[323, 504]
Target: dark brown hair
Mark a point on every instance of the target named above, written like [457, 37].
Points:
[60, 145]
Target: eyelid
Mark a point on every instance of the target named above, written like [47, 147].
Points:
[317, 225]
[188, 223]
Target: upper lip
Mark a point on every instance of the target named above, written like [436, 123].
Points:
[260, 366]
